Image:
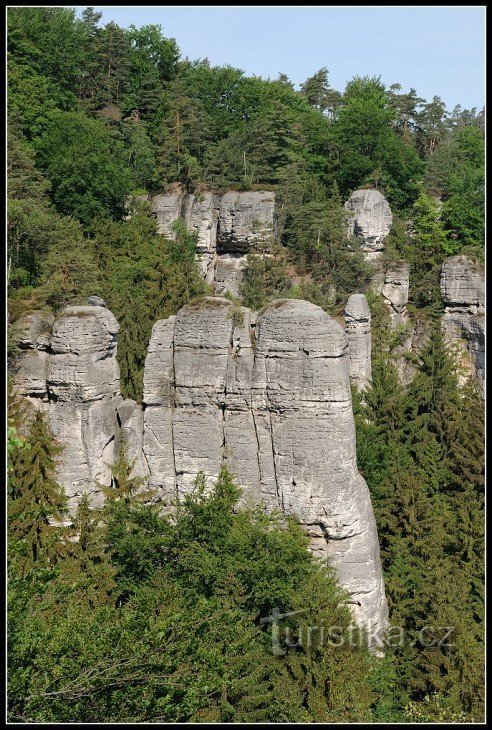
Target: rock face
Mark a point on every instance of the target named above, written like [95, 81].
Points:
[358, 329]
[68, 369]
[33, 337]
[270, 396]
[463, 294]
[370, 219]
[229, 227]
[395, 291]
[266, 393]
[83, 388]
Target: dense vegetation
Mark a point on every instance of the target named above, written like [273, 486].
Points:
[97, 113]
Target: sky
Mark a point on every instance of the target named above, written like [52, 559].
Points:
[436, 50]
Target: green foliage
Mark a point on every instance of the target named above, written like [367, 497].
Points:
[179, 640]
[265, 276]
[86, 167]
[316, 233]
[456, 173]
[410, 446]
[127, 616]
[35, 499]
[369, 149]
[428, 247]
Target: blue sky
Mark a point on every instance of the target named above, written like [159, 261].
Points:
[436, 50]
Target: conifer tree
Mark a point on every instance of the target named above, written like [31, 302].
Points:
[36, 500]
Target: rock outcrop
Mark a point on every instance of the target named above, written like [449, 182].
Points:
[228, 227]
[33, 337]
[395, 291]
[370, 219]
[358, 329]
[67, 367]
[463, 294]
[268, 394]
[83, 388]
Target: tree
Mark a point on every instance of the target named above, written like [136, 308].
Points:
[146, 277]
[35, 500]
[456, 173]
[317, 236]
[431, 121]
[86, 167]
[69, 272]
[153, 63]
[318, 93]
[427, 248]
[366, 140]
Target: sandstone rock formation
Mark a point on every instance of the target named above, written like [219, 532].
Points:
[67, 367]
[33, 335]
[229, 226]
[395, 291]
[83, 388]
[266, 393]
[370, 219]
[358, 329]
[463, 294]
[270, 396]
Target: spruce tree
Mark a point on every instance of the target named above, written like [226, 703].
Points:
[36, 500]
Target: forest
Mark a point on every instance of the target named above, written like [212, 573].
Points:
[123, 615]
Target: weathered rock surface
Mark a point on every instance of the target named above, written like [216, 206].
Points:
[395, 291]
[67, 367]
[270, 396]
[463, 284]
[244, 219]
[463, 294]
[83, 389]
[30, 369]
[229, 226]
[358, 329]
[370, 218]
[96, 301]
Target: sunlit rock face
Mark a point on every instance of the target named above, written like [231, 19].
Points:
[228, 227]
[358, 329]
[269, 395]
[370, 219]
[463, 294]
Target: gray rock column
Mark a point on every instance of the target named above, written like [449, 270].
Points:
[370, 219]
[269, 395]
[358, 329]
[463, 322]
[83, 386]
[395, 291]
